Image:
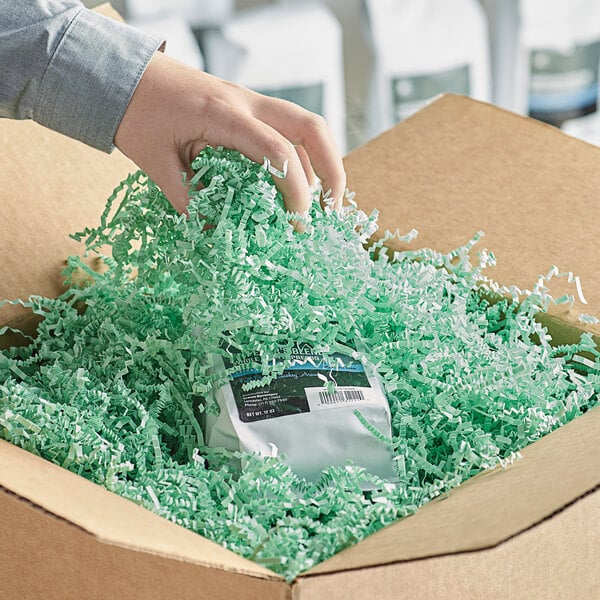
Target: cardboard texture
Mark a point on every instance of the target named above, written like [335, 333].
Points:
[529, 531]
[533, 191]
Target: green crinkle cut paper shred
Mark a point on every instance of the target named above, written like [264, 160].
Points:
[115, 384]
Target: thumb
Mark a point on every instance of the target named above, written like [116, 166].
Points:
[169, 177]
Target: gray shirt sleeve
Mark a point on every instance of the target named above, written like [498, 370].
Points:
[69, 68]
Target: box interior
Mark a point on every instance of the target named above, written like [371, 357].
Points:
[454, 168]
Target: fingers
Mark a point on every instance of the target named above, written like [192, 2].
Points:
[311, 176]
[310, 131]
[257, 140]
[169, 179]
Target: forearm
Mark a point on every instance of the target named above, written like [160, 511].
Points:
[76, 72]
[69, 68]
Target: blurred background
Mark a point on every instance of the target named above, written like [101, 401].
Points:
[367, 64]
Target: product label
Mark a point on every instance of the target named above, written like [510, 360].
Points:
[296, 416]
[409, 93]
[307, 96]
[563, 85]
[299, 389]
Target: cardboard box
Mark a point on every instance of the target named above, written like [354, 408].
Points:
[529, 531]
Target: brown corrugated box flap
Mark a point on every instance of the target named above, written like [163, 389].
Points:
[45, 557]
[109, 517]
[51, 187]
[460, 166]
[555, 560]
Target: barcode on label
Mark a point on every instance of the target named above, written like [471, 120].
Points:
[341, 396]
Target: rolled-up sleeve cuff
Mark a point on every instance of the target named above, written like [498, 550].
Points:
[91, 78]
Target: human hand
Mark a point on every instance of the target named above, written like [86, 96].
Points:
[176, 111]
